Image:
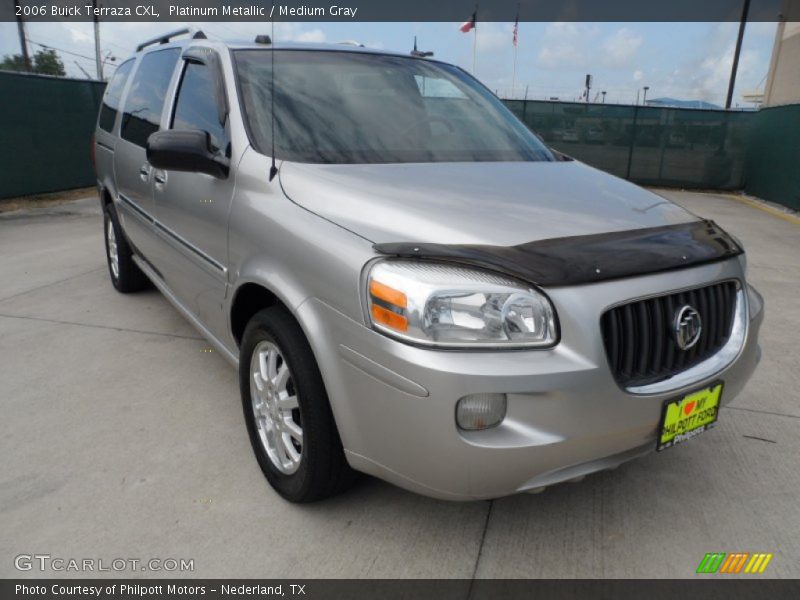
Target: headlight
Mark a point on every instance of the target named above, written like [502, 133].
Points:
[451, 306]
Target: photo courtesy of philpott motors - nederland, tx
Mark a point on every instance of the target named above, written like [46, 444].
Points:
[125, 589]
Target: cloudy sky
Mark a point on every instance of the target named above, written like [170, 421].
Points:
[680, 60]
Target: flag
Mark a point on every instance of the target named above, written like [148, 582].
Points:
[516, 29]
[471, 24]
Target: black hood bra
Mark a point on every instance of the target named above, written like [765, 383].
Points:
[582, 259]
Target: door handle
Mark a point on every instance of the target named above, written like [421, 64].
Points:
[144, 172]
[160, 178]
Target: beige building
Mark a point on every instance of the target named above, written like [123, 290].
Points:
[783, 80]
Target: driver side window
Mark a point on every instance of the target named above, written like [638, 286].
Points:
[195, 107]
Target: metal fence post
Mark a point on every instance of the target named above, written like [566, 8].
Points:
[633, 140]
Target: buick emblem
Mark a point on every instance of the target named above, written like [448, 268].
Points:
[687, 327]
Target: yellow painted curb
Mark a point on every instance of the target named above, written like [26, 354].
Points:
[760, 206]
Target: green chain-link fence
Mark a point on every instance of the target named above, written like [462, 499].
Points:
[773, 155]
[648, 145]
[47, 123]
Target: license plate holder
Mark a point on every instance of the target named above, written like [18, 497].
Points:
[689, 415]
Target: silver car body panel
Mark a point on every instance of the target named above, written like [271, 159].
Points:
[307, 238]
[502, 204]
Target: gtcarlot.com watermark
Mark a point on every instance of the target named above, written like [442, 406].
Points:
[46, 562]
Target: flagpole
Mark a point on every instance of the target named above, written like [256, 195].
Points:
[515, 41]
[514, 74]
[474, 48]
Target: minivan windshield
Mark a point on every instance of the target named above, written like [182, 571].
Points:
[355, 107]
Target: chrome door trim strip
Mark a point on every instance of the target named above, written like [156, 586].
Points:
[139, 212]
[188, 246]
[174, 236]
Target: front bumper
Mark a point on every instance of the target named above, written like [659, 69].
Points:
[394, 403]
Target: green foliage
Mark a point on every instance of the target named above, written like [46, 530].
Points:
[45, 62]
[13, 62]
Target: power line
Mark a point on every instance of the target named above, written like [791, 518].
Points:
[48, 47]
[128, 50]
[75, 54]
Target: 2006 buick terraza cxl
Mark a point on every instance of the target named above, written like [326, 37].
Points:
[416, 288]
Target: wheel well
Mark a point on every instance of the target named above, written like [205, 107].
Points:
[249, 299]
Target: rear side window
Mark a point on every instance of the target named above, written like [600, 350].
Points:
[113, 95]
[196, 106]
[145, 99]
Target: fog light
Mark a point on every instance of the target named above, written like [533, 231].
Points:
[480, 411]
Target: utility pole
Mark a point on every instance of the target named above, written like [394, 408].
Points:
[77, 64]
[588, 86]
[735, 66]
[23, 42]
[97, 58]
[604, 96]
[644, 99]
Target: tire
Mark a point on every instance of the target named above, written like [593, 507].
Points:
[321, 470]
[126, 277]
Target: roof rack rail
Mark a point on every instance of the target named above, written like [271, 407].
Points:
[167, 37]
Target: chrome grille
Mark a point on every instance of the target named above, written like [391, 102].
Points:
[639, 339]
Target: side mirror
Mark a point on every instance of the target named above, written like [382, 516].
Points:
[174, 150]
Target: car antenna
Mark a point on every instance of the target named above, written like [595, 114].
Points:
[273, 170]
[418, 53]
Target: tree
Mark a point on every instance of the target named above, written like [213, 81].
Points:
[15, 62]
[45, 61]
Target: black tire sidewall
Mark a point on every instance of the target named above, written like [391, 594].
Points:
[279, 327]
[109, 216]
[130, 278]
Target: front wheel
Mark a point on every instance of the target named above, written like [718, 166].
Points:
[287, 412]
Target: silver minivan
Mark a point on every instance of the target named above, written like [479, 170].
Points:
[410, 283]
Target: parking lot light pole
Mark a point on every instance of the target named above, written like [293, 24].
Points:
[737, 52]
[644, 98]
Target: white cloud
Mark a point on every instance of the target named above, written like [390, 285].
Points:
[79, 37]
[564, 45]
[493, 36]
[706, 76]
[621, 48]
[577, 45]
[637, 75]
[315, 35]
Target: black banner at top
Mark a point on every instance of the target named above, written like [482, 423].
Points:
[398, 10]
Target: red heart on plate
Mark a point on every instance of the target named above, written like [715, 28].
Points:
[689, 407]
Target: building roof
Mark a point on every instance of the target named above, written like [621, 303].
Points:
[682, 103]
